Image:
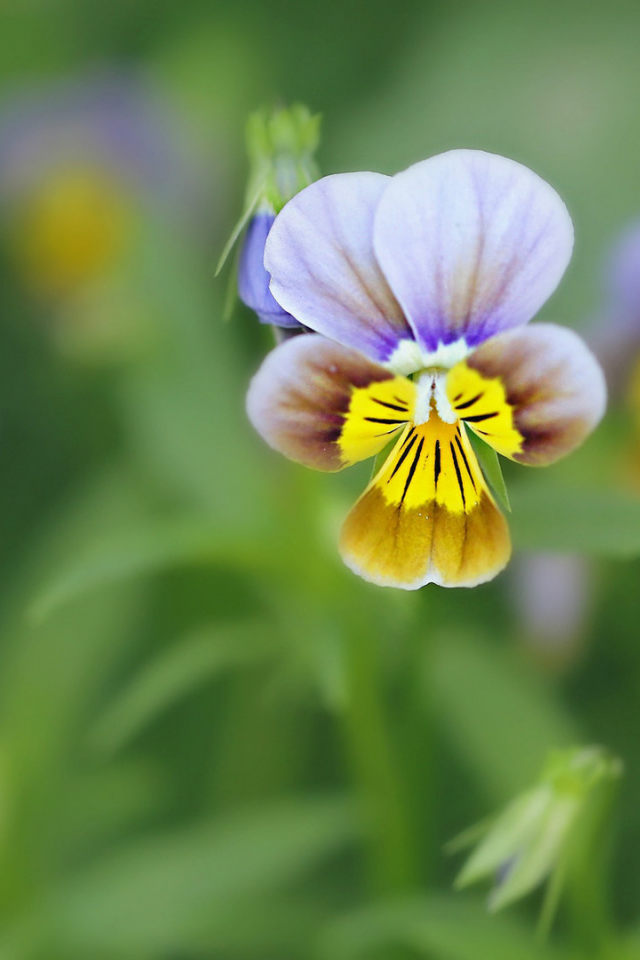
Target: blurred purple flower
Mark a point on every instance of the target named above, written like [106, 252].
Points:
[80, 161]
[552, 594]
[111, 121]
[253, 278]
[624, 278]
[616, 331]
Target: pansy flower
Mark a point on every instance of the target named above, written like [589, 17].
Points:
[418, 288]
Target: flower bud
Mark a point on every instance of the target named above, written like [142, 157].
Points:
[253, 279]
[524, 844]
[281, 149]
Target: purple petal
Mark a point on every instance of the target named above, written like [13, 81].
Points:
[471, 244]
[253, 279]
[323, 268]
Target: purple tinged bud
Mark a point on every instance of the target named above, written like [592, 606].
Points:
[253, 279]
[281, 146]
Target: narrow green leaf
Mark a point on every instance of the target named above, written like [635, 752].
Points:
[468, 837]
[231, 293]
[190, 662]
[551, 902]
[490, 464]
[438, 927]
[106, 802]
[239, 227]
[149, 549]
[169, 889]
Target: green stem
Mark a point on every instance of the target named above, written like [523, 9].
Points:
[588, 882]
[551, 903]
[394, 866]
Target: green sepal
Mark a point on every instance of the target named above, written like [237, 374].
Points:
[249, 209]
[231, 292]
[380, 458]
[490, 464]
[469, 837]
[281, 145]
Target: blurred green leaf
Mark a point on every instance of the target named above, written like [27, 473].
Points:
[437, 927]
[172, 890]
[175, 673]
[271, 926]
[151, 548]
[601, 522]
[499, 718]
[183, 406]
[629, 949]
[96, 807]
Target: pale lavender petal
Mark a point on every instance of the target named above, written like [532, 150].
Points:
[471, 244]
[253, 279]
[324, 272]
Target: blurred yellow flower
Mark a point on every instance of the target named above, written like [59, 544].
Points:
[73, 228]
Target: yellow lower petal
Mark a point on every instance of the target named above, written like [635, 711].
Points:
[428, 516]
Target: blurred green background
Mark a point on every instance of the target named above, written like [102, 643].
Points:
[215, 742]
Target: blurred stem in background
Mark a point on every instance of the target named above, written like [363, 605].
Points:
[394, 855]
[589, 880]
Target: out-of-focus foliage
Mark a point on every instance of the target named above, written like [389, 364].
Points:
[215, 742]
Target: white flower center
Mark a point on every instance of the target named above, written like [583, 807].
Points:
[432, 394]
[409, 357]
